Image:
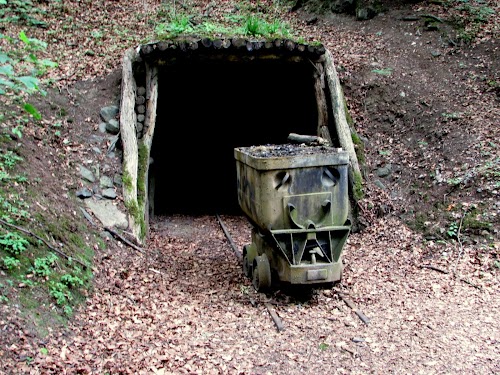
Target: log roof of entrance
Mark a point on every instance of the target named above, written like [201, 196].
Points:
[231, 49]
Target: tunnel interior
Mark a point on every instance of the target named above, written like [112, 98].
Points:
[205, 110]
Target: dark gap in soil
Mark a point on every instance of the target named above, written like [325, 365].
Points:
[205, 110]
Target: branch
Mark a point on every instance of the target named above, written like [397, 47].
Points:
[124, 240]
[45, 242]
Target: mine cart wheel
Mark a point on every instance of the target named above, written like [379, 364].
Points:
[261, 273]
[247, 269]
[249, 254]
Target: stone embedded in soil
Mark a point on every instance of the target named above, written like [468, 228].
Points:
[109, 193]
[84, 193]
[113, 126]
[86, 174]
[107, 213]
[105, 182]
[102, 127]
[108, 113]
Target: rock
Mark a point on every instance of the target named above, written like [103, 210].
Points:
[384, 171]
[109, 193]
[141, 91]
[117, 179]
[113, 126]
[86, 174]
[102, 127]
[107, 213]
[108, 113]
[380, 184]
[141, 118]
[84, 193]
[105, 182]
[106, 235]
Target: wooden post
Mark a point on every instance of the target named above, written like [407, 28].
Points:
[319, 88]
[341, 125]
[129, 138]
[147, 139]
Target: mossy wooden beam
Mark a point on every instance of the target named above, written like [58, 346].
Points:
[341, 126]
[146, 142]
[129, 140]
[319, 89]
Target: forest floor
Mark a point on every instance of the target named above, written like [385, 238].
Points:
[424, 266]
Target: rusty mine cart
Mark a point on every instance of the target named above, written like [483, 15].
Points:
[296, 198]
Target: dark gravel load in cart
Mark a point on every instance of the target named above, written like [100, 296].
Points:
[296, 197]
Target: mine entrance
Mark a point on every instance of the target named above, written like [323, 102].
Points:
[207, 108]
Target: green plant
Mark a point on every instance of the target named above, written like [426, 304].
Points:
[452, 231]
[10, 263]
[71, 281]
[43, 266]
[323, 346]
[20, 72]
[9, 159]
[13, 243]
[20, 11]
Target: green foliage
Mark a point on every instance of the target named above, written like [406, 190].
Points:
[20, 73]
[20, 11]
[13, 243]
[43, 266]
[71, 281]
[245, 23]
[10, 263]
[452, 231]
[468, 17]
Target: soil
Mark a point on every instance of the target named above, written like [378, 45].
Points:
[427, 111]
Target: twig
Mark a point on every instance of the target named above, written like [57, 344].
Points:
[276, 318]
[448, 272]
[87, 216]
[460, 249]
[45, 242]
[353, 307]
[237, 252]
[124, 240]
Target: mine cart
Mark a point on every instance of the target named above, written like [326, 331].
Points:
[296, 198]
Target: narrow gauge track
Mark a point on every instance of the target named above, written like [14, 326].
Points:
[239, 255]
[272, 312]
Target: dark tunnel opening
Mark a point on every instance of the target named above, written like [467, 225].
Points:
[205, 110]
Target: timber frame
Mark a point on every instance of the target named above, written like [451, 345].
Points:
[141, 64]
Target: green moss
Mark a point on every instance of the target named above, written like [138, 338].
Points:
[358, 187]
[127, 180]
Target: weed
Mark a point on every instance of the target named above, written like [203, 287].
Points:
[10, 263]
[452, 231]
[43, 266]
[13, 243]
[323, 346]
